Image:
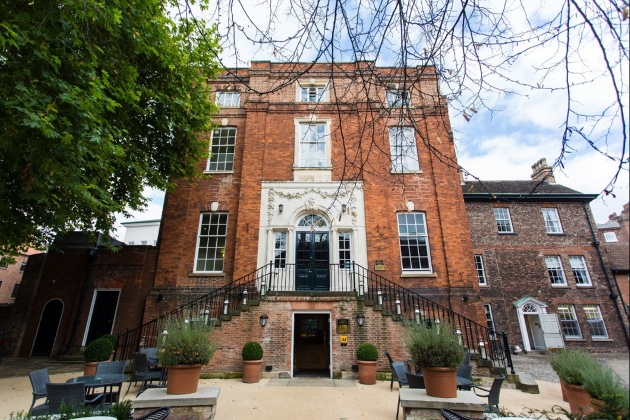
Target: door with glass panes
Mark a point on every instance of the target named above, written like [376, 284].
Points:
[312, 254]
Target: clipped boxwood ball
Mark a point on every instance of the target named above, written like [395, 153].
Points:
[367, 352]
[98, 350]
[252, 351]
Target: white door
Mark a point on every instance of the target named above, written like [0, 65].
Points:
[551, 331]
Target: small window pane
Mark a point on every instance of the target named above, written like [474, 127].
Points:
[554, 268]
[228, 99]
[344, 250]
[595, 321]
[403, 149]
[414, 246]
[552, 221]
[580, 273]
[502, 217]
[481, 272]
[280, 250]
[570, 326]
[16, 287]
[397, 98]
[312, 145]
[212, 238]
[489, 319]
[610, 237]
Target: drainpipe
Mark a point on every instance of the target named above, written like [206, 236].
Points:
[91, 258]
[612, 295]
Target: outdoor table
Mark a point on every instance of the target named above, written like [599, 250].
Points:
[104, 381]
[464, 383]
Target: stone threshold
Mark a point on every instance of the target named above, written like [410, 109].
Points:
[313, 382]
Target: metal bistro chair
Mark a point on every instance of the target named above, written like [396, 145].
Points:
[111, 368]
[142, 372]
[399, 370]
[67, 394]
[452, 415]
[416, 381]
[492, 394]
[39, 379]
[159, 414]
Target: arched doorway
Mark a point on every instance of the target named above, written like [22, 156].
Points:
[47, 329]
[312, 255]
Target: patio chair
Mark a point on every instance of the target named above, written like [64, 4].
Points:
[465, 372]
[415, 381]
[151, 353]
[452, 415]
[398, 372]
[111, 368]
[39, 379]
[67, 394]
[159, 414]
[142, 371]
[492, 394]
[466, 358]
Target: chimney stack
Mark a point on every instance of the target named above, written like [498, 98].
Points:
[542, 172]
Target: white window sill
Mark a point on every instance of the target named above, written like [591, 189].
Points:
[574, 339]
[419, 171]
[506, 233]
[560, 286]
[483, 285]
[417, 274]
[556, 234]
[312, 168]
[212, 274]
[601, 339]
[218, 172]
[584, 286]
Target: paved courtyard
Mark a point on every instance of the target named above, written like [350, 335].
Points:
[304, 398]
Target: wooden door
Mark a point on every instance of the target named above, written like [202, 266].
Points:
[312, 341]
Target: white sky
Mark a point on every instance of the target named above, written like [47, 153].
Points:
[503, 144]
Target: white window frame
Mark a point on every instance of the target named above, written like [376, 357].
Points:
[217, 239]
[487, 309]
[396, 98]
[403, 149]
[593, 315]
[403, 234]
[580, 271]
[568, 320]
[229, 145]
[344, 248]
[22, 266]
[280, 240]
[481, 270]
[552, 221]
[502, 222]
[233, 102]
[610, 237]
[131, 242]
[555, 270]
[298, 142]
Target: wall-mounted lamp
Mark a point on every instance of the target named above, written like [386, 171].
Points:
[280, 208]
[410, 205]
[214, 206]
[263, 320]
[361, 292]
[343, 208]
[459, 336]
[482, 348]
[263, 288]
[361, 320]
[245, 297]
[398, 309]
[465, 298]
[379, 297]
[226, 307]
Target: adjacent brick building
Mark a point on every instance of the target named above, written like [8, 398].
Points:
[614, 234]
[11, 276]
[539, 264]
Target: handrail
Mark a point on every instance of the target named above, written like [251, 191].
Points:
[403, 304]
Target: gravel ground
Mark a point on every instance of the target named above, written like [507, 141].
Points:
[537, 365]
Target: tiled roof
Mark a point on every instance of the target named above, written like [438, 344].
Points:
[618, 256]
[515, 187]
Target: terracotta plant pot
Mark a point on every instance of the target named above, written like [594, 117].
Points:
[251, 371]
[183, 379]
[578, 399]
[367, 372]
[597, 405]
[89, 368]
[564, 390]
[440, 382]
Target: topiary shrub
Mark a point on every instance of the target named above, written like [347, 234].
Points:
[112, 339]
[572, 366]
[252, 351]
[367, 352]
[98, 350]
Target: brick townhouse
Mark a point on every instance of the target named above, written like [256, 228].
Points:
[11, 276]
[540, 265]
[617, 252]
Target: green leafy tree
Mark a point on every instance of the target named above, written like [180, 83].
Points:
[98, 100]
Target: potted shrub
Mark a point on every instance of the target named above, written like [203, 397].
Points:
[436, 350]
[96, 351]
[367, 355]
[572, 366]
[609, 397]
[252, 359]
[184, 349]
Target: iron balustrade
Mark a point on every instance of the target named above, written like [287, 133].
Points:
[404, 304]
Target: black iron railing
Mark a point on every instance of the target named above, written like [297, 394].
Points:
[404, 304]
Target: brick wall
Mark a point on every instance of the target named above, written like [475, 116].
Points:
[9, 276]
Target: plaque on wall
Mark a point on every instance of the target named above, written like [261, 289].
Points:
[379, 265]
[343, 326]
[343, 340]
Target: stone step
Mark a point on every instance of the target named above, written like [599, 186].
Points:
[527, 384]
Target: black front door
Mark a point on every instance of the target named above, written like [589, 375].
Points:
[103, 314]
[311, 261]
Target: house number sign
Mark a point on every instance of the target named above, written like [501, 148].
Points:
[343, 326]
[379, 265]
[343, 340]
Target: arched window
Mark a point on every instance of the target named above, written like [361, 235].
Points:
[312, 220]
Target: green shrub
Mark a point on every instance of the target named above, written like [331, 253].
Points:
[573, 365]
[112, 339]
[367, 352]
[603, 384]
[430, 345]
[98, 350]
[252, 351]
[186, 343]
